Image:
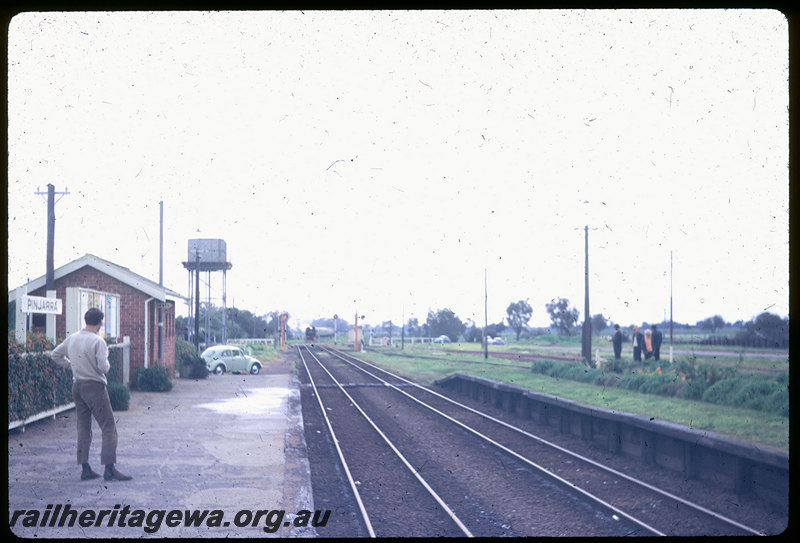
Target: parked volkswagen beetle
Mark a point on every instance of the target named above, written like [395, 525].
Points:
[222, 358]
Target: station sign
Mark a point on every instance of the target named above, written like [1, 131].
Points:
[40, 304]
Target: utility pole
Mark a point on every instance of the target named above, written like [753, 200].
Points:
[197, 300]
[403, 331]
[485, 317]
[355, 335]
[586, 341]
[51, 231]
[50, 282]
[670, 307]
[208, 310]
[160, 279]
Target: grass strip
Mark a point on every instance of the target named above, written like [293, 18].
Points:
[747, 425]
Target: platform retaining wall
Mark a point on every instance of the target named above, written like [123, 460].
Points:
[696, 454]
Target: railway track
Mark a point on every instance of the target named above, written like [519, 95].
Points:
[464, 473]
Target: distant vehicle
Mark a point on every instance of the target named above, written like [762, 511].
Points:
[322, 331]
[495, 341]
[222, 358]
[442, 339]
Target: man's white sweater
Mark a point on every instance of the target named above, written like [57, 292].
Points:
[86, 353]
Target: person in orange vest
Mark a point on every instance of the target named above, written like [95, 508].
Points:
[648, 344]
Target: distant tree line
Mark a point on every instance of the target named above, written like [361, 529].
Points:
[239, 323]
[765, 330]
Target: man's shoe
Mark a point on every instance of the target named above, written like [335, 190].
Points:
[88, 473]
[113, 474]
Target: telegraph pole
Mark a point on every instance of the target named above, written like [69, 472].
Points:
[355, 334]
[50, 281]
[587, 323]
[197, 301]
[670, 307]
[51, 231]
[403, 331]
[160, 278]
[485, 317]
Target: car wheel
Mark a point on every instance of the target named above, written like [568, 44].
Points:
[254, 369]
[220, 369]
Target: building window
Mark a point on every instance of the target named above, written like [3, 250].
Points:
[79, 300]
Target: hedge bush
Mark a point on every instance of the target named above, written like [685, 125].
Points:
[719, 391]
[684, 379]
[190, 364]
[35, 383]
[543, 366]
[695, 389]
[119, 395]
[153, 379]
[778, 403]
[632, 381]
[194, 370]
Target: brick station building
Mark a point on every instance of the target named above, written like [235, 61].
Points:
[130, 302]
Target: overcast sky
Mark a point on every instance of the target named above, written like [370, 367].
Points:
[379, 162]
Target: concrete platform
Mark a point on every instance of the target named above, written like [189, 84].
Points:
[232, 443]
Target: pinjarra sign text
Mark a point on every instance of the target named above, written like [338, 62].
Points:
[38, 304]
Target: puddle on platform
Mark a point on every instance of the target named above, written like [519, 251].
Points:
[262, 401]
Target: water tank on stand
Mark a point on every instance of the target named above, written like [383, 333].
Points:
[206, 255]
[209, 251]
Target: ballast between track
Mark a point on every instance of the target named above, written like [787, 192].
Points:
[407, 384]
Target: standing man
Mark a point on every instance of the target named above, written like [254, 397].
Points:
[617, 342]
[638, 343]
[657, 339]
[86, 353]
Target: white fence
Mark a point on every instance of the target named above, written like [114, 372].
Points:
[398, 340]
[241, 341]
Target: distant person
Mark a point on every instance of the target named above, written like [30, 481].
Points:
[617, 342]
[648, 344]
[637, 340]
[86, 353]
[657, 340]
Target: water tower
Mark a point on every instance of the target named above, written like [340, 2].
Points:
[206, 255]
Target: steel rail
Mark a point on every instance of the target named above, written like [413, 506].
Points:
[577, 456]
[360, 503]
[416, 474]
[518, 456]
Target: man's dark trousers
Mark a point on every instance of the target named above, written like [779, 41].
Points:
[91, 399]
